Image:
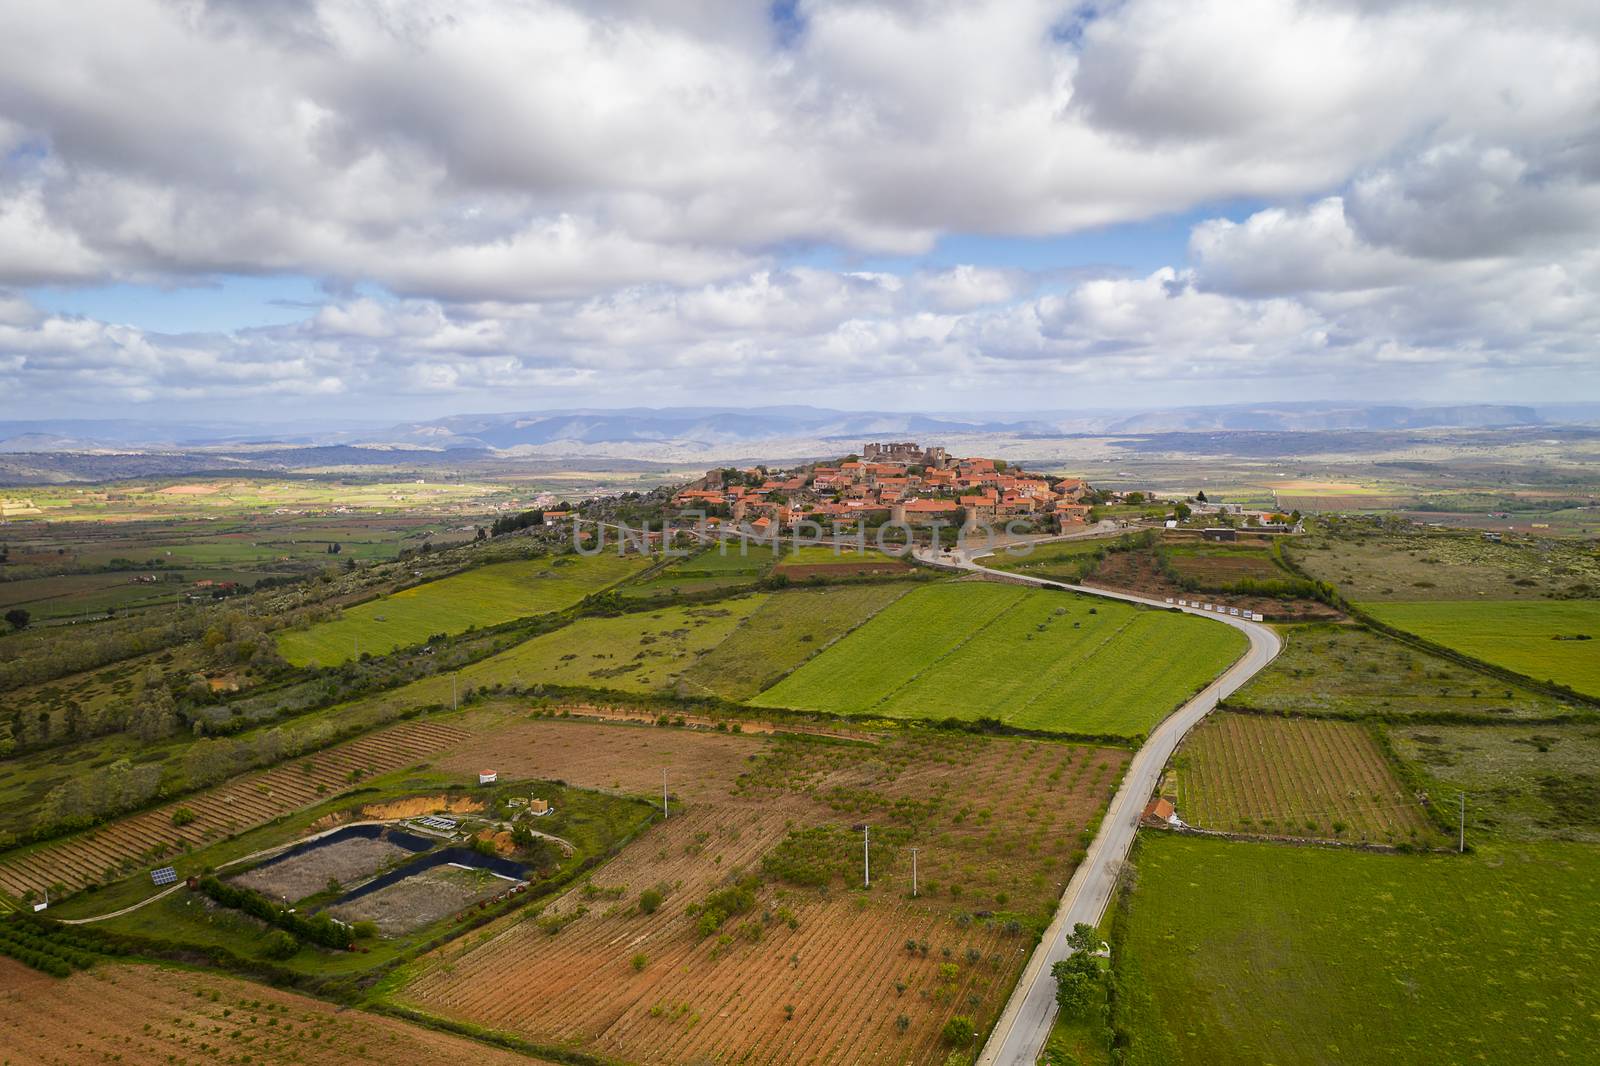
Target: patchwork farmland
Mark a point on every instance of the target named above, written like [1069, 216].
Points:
[1035, 659]
[484, 596]
[812, 970]
[114, 849]
[1294, 777]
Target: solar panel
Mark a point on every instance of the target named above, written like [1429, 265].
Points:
[164, 876]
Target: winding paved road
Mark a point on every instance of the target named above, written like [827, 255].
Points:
[1024, 1026]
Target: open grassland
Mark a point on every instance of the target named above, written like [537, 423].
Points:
[1061, 561]
[1521, 782]
[1557, 642]
[1029, 658]
[810, 969]
[824, 560]
[1371, 564]
[483, 596]
[1351, 671]
[160, 1015]
[1238, 953]
[782, 633]
[645, 651]
[1294, 777]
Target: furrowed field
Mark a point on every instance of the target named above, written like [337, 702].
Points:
[800, 965]
[148, 1015]
[1294, 777]
[1035, 659]
[1238, 953]
[1553, 641]
[485, 596]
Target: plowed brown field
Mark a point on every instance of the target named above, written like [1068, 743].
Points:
[243, 803]
[154, 1016]
[997, 820]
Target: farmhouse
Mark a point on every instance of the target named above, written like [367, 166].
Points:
[1160, 811]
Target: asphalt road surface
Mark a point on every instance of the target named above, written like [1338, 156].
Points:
[1024, 1026]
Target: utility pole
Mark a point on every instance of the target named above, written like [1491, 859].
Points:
[455, 705]
[663, 792]
[1462, 847]
[866, 856]
[913, 873]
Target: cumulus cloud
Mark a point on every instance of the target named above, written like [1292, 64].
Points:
[574, 196]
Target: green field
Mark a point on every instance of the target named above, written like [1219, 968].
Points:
[1348, 670]
[485, 596]
[1029, 658]
[641, 652]
[786, 630]
[1537, 640]
[1259, 954]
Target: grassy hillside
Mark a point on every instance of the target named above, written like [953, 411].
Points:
[485, 596]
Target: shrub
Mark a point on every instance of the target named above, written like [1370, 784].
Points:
[649, 901]
[958, 1031]
[639, 962]
[280, 945]
[182, 816]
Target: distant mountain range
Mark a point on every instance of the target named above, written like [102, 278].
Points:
[71, 450]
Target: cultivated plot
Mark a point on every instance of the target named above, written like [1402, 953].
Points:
[783, 632]
[1034, 659]
[1294, 777]
[157, 1015]
[484, 596]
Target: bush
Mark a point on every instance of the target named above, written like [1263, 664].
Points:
[958, 1031]
[364, 930]
[649, 901]
[639, 962]
[182, 816]
[280, 945]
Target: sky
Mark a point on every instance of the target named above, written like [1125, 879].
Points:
[287, 209]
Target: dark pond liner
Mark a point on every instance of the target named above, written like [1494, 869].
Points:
[410, 841]
[460, 856]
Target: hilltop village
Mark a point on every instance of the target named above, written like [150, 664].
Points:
[900, 482]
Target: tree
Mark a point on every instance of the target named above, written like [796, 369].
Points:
[1181, 511]
[18, 619]
[1201, 495]
[1078, 975]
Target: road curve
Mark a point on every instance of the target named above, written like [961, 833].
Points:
[1020, 1034]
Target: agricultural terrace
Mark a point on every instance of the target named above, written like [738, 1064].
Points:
[754, 943]
[156, 1015]
[1368, 564]
[1294, 777]
[1532, 782]
[646, 651]
[1557, 642]
[483, 596]
[1259, 953]
[1030, 658]
[1350, 671]
[783, 632]
[111, 851]
[712, 570]
[1221, 566]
